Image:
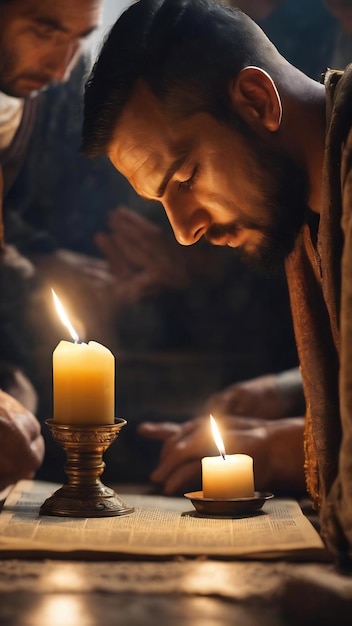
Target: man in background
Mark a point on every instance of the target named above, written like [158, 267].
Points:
[40, 43]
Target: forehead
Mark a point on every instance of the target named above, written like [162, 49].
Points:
[66, 12]
[146, 136]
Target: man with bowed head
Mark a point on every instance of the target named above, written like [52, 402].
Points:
[242, 148]
[40, 41]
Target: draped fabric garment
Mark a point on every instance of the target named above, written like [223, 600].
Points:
[319, 273]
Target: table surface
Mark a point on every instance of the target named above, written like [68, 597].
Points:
[170, 592]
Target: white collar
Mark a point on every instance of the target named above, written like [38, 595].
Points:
[10, 118]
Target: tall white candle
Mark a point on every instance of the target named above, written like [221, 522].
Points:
[84, 383]
[227, 476]
[83, 379]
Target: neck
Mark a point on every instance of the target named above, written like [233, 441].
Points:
[315, 148]
[305, 129]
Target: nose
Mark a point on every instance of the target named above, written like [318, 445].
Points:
[60, 62]
[189, 225]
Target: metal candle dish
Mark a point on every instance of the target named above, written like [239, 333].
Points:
[234, 507]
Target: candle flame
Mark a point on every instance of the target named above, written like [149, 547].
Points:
[217, 437]
[63, 317]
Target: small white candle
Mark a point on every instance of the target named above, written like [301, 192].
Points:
[227, 476]
[83, 379]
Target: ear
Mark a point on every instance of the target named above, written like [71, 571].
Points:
[256, 99]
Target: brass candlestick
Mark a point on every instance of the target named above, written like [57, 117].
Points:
[85, 495]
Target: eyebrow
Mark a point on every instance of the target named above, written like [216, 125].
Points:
[55, 24]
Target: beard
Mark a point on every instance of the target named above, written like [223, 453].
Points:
[284, 190]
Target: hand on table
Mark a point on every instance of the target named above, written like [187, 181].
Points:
[275, 445]
[271, 397]
[21, 443]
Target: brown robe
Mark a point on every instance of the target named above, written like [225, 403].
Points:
[319, 273]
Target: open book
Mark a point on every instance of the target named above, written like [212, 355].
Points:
[159, 526]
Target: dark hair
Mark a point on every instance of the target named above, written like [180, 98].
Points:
[186, 51]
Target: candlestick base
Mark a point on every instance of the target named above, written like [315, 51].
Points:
[231, 507]
[85, 495]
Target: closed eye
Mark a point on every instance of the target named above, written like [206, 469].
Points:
[187, 185]
[45, 31]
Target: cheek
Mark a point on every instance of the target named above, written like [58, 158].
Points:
[9, 50]
[26, 53]
[218, 179]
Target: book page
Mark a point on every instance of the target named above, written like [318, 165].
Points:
[158, 526]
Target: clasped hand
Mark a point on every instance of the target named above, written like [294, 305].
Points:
[22, 446]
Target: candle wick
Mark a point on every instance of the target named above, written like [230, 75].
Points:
[223, 455]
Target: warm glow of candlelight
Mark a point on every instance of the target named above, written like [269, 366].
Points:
[63, 317]
[217, 437]
[225, 477]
